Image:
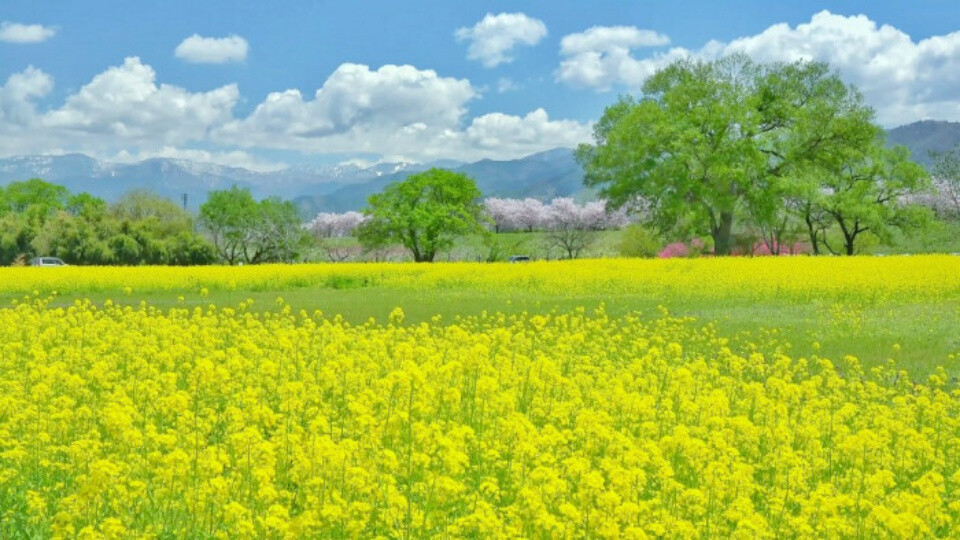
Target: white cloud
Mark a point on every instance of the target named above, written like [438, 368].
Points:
[399, 112]
[600, 57]
[208, 50]
[120, 108]
[395, 112]
[510, 136]
[25, 33]
[16, 95]
[903, 79]
[124, 105]
[493, 39]
[603, 38]
[355, 106]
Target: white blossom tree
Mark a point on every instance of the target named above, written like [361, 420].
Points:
[330, 225]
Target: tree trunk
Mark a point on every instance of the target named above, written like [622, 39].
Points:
[849, 235]
[849, 244]
[812, 231]
[722, 234]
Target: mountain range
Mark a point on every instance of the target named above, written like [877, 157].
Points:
[925, 137]
[337, 188]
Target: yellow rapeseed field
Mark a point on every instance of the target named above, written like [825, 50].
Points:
[120, 421]
[864, 278]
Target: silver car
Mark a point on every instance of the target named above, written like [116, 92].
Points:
[47, 261]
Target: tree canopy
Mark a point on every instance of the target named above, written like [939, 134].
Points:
[709, 143]
[246, 230]
[424, 213]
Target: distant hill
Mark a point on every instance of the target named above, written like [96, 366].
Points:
[925, 137]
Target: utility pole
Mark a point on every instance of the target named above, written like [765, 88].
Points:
[184, 199]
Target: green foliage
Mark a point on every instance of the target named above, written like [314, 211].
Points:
[865, 194]
[34, 195]
[42, 219]
[166, 217]
[228, 216]
[709, 143]
[424, 213]
[248, 231]
[639, 241]
[86, 207]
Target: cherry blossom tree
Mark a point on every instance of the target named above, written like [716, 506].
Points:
[330, 225]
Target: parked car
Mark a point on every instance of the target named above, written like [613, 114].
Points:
[47, 261]
[519, 258]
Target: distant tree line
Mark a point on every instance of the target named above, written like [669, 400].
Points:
[38, 218]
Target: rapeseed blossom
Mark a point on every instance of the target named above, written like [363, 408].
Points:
[861, 279]
[127, 421]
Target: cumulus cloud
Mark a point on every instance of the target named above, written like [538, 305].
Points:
[515, 136]
[125, 104]
[399, 112]
[18, 93]
[24, 33]
[208, 50]
[601, 56]
[903, 79]
[122, 107]
[396, 112]
[494, 38]
[355, 99]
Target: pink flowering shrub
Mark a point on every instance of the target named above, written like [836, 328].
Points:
[797, 248]
[673, 250]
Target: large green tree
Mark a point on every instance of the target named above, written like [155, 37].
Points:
[246, 230]
[710, 142]
[424, 213]
[228, 216]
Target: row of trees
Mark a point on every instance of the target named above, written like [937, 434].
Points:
[502, 215]
[532, 215]
[40, 218]
[569, 227]
[744, 153]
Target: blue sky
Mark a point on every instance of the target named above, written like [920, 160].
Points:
[475, 79]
